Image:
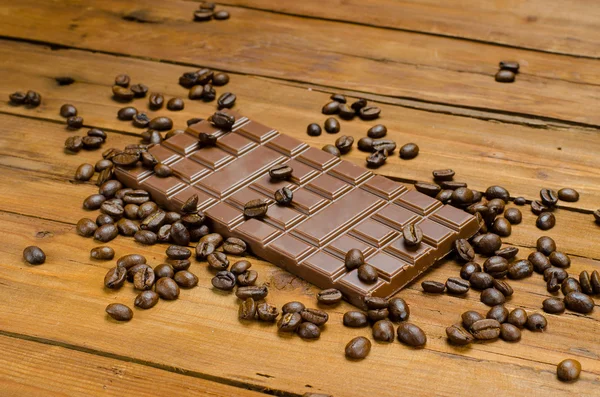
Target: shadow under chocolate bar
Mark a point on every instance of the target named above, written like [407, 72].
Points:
[336, 206]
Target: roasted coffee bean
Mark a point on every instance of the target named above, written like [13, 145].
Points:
[256, 208]
[284, 196]
[145, 237]
[413, 235]
[185, 279]
[204, 249]
[330, 296]
[359, 104]
[193, 220]
[377, 158]
[247, 278]
[505, 76]
[549, 197]
[17, 98]
[156, 101]
[358, 348]
[175, 104]
[154, 221]
[585, 283]
[115, 277]
[104, 219]
[411, 335]
[234, 246]
[160, 124]
[367, 274]
[433, 287]
[84, 172]
[122, 80]
[289, 322]
[409, 151]
[214, 238]
[536, 322]
[208, 139]
[346, 112]
[98, 133]
[91, 142]
[498, 313]
[383, 331]
[469, 318]
[131, 272]
[462, 196]
[196, 92]
[308, 331]
[560, 259]
[252, 291]
[122, 94]
[208, 93]
[546, 245]
[68, 110]
[502, 227]
[486, 329]
[445, 196]
[365, 144]
[105, 175]
[503, 287]
[378, 314]
[226, 100]
[338, 98]
[520, 201]
[539, 261]
[398, 310]
[570, 285]
[520, 269]
[151, 136]
[595, 280]
[509, 65]
[538, 208]
[74, 143]
[162, 170]
[164, 270]
[313, 129]
[488, 244]
[355, 319]
[430, 189]
[560, 274]
[332, 107]
[193, 121]
[492, 297]
[545, 221]
[315, 316]
[280, 172]
[240, 267]
[553, 306]
[114, 210]
[469, 269]
[33, 99]
[374, 302]
[128, 261]
[146, 299]
[110, 188]
[267, 312]
[178, 252]
[140, 120]
[331, 149]
[569, 195]
[331, 125]
[453, 185]
[344, 143]
[167, 288]
[354, 259]
[464, 250]
[220, 79]
[139, 90]
[507, 252]
[377, 131]
[579, 302]
[496, 266]
[86, 227]
[103, 253]
[493, 192]
[293, 307]
[217, 261]
[106, 233]
[144, 279]
[513, 215]
[146, 209]
[224, 281]
[457, 335]
[568, 370]
[34, 255]
[510, 333]
[384, 144]
[368, 112]
[457, 286]
[517, 317]
[119, 312]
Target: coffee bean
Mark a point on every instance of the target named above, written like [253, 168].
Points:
[502, 227]
[110, 188]
[492, 297]
[185, 279]
[217, 261]
[144, 279]
[469, 269]
[17, 98]
[354, 259]
[355, 319]
[487, 244]
[329, 296]
[122, 94]
[84, 172]
[156, 101]
[234, 246]
[507, 252]
[34, 255]
[560, 259]
[308, 331]
[384, 144]
[226, 100]
[86, 227]
[68, 110]
[240, 267]
[33, 99]
[331, 149]
[568, 370]
[398, 310]
[538, 208]
[204, 249]
[114, 210]
[365, 144]
[122, 80]
[409, 151]
[139, 90]
[146, 209]
[553, 306]
[167, 288]
[140, 120]
[331, 125]
[315, 316]
[513, 215]
[104, 219]
[595, 281]
[154, 221]
[196, 92]
[517, 317]
[498, 313]
[579, 302]
[503, 287]
[289, 322]
[247, 278]
[469, 318]
[160, 124]
[539, 261]
[146, 299]
[546, 245]
[193, 220]
[346, 112]
[145, 237]
[445, 196]
[464, 250]
[569, 195]
[383, 331]
[367, 274]
[106, 233]
[457, 335]
[284, 196]
[293, 307]
[224, 280]
[256, 208]
[332, 107]
[413, 235]
[91, 142]
[377, 159]
[411, 335]
[119, 312]
[344, 143]
[368, 112]
[313, 129]
[433, 287]
[520, 269]
[505, 76]
[377, 314]
[536, 322]
[247, 310]
[570, 285]
[115, 277]
[486, 329]
[496, 266]
[430, 189]
[549, 197]
[103, 253]
[358, 348]
[220, 79]
[252, 291]
[178, 252]
[267, 312]
[560, 274]
[457, 286]
[510, 333]
[74, 144]
[585, 283]
[509, 65]
[164, 270]
[494, 192]
[461, 196]
[443, 174]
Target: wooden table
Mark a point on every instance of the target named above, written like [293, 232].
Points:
[429, 66]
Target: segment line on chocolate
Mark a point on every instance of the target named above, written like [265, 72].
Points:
[336, 206]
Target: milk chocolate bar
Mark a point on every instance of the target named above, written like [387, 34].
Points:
[336, 206]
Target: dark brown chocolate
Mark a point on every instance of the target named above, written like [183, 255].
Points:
[336, 206]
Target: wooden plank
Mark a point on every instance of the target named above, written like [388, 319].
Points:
[482, 153]
[205, 336]
[381, 61]
[31, 368]
[541, 25]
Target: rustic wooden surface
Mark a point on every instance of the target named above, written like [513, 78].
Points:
[429, 66]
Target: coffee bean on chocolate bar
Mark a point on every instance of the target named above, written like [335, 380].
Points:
[17, 98]
[256, 208]
[409, 151]
[167, 288]
[267, 312]
[413, 235]
[140, 120]
[346, 112]
[433, 287]
[375, 315]
[369, 113]
[313, 129]
[504, 76]
[430, 189]
[553, 306]
[284, 196]
[545, 221]
[492, 297]
[585, 282]
[568, 370]
[485, 329]
[175, 104]
[537, 207]
[367, 273]
[234, 246]
[222, 120]
[344, 143]
[122, 93]
[331, 125]
[67, 110]
[569, 285]
[162, 170]
[457, 286]
[411, 335]
[293, 307]
[280, 172]
[253, 291]
[358, 348]
[332, 107]
[549, 197]
[459, 336]
[464, 250]
[247, 309]
[331, 150]
[220, 79]
[520, 269]
[172, 133]
[560, 259]
[226, 100]
[536, 322]
[240, 267]
[354, 259]
[329, 296]
[377, 158]
[115, 277]
[469, 269]
[119, 312]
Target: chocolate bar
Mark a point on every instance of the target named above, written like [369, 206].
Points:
[336, 206]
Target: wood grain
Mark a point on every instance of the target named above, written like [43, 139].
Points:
[541, 25]
[380, 61]
[34, 368]
[482, 153]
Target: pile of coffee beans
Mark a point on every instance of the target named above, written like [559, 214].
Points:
[94, 139]
[201, 85]
[206, 12]
[508, 71]
[338, 105]
[30, 99]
